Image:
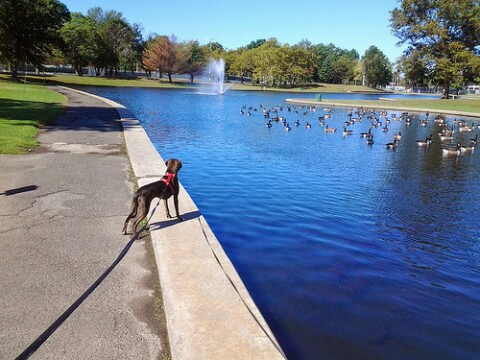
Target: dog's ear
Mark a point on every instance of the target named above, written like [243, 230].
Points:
[166, 162]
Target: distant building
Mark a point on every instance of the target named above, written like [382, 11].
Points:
[394, 87]
[473, 89]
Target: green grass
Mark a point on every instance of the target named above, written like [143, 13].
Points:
[438, 105]
[23, 109]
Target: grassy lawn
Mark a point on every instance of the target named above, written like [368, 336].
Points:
[23, 109]
[461, 105]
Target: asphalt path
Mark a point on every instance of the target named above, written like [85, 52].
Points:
[61, 212]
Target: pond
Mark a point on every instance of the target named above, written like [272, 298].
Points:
[350, 251]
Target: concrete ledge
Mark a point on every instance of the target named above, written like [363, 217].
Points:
[210, 314]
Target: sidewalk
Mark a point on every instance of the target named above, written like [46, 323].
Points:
[209, 313]
[57, 239]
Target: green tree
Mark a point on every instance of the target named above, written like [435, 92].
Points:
[243, 64]
[265, 61]
[378, 70]
[445, 33]
[326, 56]
[194, 56]
[29, 30]
[415, 68]
[78, 37]
[343, 69]
[255, 44]
[294, 65]
[117, 44]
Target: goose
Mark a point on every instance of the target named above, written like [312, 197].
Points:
[467, 148]
[398, 136]
[370, 140]
[452, 151]
[269, 124]
[385, 128]
[287, 127]
[447, 131]
[347, 132]
[423, 122]
[465, 128]
[446, 137]
[474, 141]
[427, 142]
[392, 145]
[329, 130]
[297, 123]
[366, 134]
[307, 125]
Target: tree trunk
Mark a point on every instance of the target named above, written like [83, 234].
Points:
[170, 78]
[78, 70]
[446, 92]
[241, 80]
[15, 71]
[191, 78]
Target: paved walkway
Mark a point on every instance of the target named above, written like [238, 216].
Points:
[57, 239]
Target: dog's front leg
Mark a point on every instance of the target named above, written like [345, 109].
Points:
[175, 202]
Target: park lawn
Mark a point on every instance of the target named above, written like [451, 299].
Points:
[23, 110]
[460, 105]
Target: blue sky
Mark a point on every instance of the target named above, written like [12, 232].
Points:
[348, 24]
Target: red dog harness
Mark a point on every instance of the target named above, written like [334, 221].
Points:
[168, 180]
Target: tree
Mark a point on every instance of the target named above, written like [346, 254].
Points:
[378, 70]
[343, 69]
[415, 68]
[78, 37]
[243, 64]
[164, 56]
[265, 61]
[29, 30]
[255, 44]
[294, 65]
[326, 56]
[194, 56]
[445, 33]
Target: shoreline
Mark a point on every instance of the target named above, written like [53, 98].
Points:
[388, 106]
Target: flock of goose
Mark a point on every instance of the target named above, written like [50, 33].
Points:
[378, 120]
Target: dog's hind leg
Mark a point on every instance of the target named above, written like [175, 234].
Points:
[145, 207]
[133, 213]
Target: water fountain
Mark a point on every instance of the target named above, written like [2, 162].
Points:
[215, 71]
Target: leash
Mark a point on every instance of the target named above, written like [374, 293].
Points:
[35, 345]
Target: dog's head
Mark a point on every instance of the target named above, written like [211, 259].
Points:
[173, 165]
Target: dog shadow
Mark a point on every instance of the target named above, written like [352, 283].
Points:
[170, 222]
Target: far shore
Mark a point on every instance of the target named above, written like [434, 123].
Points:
[467, 107]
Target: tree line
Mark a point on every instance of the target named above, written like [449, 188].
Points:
[442, 38]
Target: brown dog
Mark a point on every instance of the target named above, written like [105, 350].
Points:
[163, 189]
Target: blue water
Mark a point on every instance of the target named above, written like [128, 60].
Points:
[350, 251]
